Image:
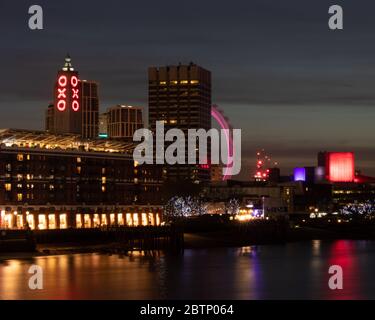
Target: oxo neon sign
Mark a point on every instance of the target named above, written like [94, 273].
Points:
[67, 91]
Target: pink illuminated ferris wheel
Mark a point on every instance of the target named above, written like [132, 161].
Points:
[223, 122]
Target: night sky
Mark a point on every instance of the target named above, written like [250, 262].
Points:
[294, 86]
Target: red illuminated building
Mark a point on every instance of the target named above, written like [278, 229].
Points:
[67, 118]
[76, 105]
[339, 166]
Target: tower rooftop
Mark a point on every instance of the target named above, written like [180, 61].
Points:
[68, 64]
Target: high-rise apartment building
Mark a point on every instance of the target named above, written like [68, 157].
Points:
[180, 96]
[123, 121]
[89, 109]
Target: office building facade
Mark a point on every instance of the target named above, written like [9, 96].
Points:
[180, 97]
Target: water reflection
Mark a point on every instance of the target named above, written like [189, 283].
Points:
[344, 253]
[292, 271]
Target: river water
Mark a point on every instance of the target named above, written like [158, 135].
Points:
[289, 271]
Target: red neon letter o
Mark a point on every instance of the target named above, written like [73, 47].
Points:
[62, 81]
[75, 105]
[61, 105]
[74, 81]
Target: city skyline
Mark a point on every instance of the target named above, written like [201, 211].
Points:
[325, 105]
[179, 156]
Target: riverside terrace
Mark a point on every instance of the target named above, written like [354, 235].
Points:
[50, 181]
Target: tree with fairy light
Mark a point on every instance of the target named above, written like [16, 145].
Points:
[184, 207]
[232, 207]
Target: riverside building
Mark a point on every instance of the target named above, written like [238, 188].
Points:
[59, 181]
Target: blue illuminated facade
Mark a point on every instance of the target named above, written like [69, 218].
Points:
[299, 174]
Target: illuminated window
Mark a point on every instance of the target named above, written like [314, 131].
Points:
[20, 157]
[30, 221]
[129, 221]
[163, 83]
[42, 222]
[78, 221]
[112, 218]
[79, 160]
[87, 220]
[151, 219]
[173, 121]
[184, 82]
[96, 220]
[104, 219]
[194, 81]
[144, 219]
[103, 188]
[19, 221]
[19, 177]
[157, 220]
[8, 186]
[51, 221]
[8, 220]
[135, 219]
[19, 196]
[103, 170]
[63, 221]
[28, 157]
[120, 219]
[174, 82]
[104, 180]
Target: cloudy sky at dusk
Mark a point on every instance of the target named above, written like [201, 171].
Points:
[294, 86]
